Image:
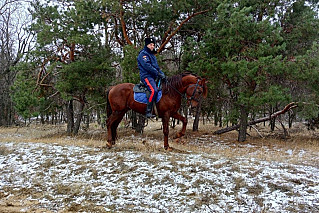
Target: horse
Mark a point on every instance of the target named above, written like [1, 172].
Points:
[120, 98]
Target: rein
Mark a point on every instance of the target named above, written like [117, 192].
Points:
[184, 95]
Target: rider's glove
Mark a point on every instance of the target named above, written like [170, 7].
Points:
[162, 77]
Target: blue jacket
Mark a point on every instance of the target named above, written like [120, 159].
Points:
[147, 64]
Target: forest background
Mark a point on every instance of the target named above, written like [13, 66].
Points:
[59, 57]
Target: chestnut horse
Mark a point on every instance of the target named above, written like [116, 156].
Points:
[120, 99]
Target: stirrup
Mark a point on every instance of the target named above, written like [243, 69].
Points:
[150, 115]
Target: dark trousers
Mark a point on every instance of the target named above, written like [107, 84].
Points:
[151, 86]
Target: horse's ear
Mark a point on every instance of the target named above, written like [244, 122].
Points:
[203, 82]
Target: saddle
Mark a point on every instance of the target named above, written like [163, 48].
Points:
[141, 88]
[141, 93]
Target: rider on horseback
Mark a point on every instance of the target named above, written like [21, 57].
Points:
[149, 72]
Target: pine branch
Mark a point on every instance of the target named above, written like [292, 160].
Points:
[178, 28]
[123, 24]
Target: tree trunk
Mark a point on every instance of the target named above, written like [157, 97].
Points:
[242, 124]
[291, 117]
[272, 124]
[87, 122]
[70, 117]
[185, 109]
[140, 124]
[272, 121]
[216, 118]
[61, 116]
[173, 123]
[6, 107]
[79, 119]
[133, 119]
[198, 110]
[98, 116]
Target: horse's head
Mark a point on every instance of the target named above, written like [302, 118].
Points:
[195, 90]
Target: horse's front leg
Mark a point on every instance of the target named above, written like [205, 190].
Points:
[165, 121]
[184, 121]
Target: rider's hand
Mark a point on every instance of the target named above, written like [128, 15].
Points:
[162, 77]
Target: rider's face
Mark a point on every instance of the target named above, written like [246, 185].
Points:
[151, 46]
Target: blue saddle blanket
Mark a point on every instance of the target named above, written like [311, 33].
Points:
[142, 98]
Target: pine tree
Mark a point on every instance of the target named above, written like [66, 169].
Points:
[244, 51]
[28, 100]
[73, 61]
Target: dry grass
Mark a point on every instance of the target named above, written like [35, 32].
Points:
[271, 147]
[52, 134]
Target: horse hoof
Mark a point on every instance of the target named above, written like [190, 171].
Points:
[109, 145]
[168, 148]
[178, 135]
[180, 140]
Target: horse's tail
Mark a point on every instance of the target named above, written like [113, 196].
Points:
[108, 105]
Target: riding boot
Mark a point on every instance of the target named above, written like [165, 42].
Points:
[149, 108]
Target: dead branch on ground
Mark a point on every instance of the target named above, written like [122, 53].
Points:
[272, 116]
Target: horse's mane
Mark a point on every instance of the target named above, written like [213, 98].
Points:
[174, 81]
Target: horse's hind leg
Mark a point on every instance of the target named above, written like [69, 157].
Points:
[165, 120]
[115, 125]
[112, 124]
[184, 121]
[109, 123]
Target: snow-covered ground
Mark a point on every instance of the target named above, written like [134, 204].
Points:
[77, 178]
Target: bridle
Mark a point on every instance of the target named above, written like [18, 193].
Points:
[194, 92]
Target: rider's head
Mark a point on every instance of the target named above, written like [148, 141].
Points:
[150, 43]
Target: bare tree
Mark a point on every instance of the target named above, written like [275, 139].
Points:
[15, 41]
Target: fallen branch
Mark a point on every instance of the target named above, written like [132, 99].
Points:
[274, 115]
[258, 132]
